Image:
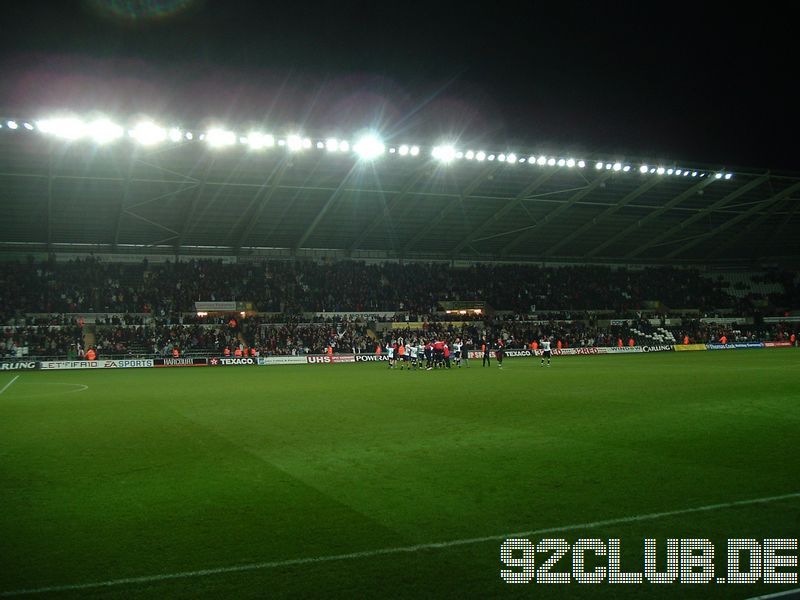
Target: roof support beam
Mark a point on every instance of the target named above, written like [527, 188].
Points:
[773, 203]
[398, 199]
[456, 201]
[603, 216]
[546, 220]
[656, 213]
[699, 215]
[187, 221]
[244, 227]
[510, 205]
[325, 208]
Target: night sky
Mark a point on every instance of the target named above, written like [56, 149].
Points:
[710, 84]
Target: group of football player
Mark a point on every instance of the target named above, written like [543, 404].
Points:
[420, 353]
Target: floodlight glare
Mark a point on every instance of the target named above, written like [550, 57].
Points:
[320, 145]
[414, 150]
[148, 133]
[670, 171]
[28, 126]
[445, 154]
[626, 168]
[490, 157]
[542, 160]
[469, 155]
[608, 166]
[501, 158]
[571, 162]
[258, 141]
[728, 175]
[551, 162]
[459, 155]
[219, 138]
[531, 160]
[512, 158]
[561, 162]
[332, 144]
[678, 172]
[369, 147]
[480, 155]
[718, 175]
[694, 173]
[175, 135]
[103, 131]
[643, 169]
[660, 170]
[67, 128]
[12, 124]
[617, 166]
[599, 166]
[403, 151]
[188, 135]
[294, 143]
[581, 164]
[344, 146]
[306, 143]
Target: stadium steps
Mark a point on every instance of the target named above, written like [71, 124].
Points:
[89, 338]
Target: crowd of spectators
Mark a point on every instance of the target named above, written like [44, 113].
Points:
[170, 288]
[152, 308]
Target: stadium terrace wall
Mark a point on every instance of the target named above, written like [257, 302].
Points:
[334, 359]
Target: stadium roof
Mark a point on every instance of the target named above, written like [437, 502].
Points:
[186, 196]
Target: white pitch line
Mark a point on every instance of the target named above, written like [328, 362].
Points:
[384, 551]
[8, 385]
[795, 593]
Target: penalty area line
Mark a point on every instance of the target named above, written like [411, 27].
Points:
[388, 551]
[8, 385]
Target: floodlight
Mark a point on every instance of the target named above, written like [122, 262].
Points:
[643, 169]
[103, 131]
[414, 150]
[694, 173]
[28, 126]
[542, 160]
[728, 175]
[148, 133]
[522, 160]
[512, 158]
[445, 154]
[459, 155]
[175, 134]
[369, 147]
[718, 175]
[219, 138]
[561, 162]
[652, 170]
[490, 157]
[531, 160]
[599, 166]
[678, 171]
[320, 145]
[306, 143]
[581, 164]
[570, 162]
[551, 162]
[480, 155]
[670, 171]
[188, 135]
[626, 168]
[332, 144]
[344, 146]
[685, 173]
[501, 157]
[403, 151]
[469, 155]
[617, 166]
[12, 124]
[660, 170]
[258, 141]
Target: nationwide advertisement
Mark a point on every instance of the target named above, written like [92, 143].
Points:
[282, 360]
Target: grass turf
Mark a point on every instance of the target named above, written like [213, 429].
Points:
[159, 471]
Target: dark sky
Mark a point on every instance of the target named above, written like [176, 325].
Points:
[709, 83]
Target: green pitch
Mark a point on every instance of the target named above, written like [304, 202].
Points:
[137, 473]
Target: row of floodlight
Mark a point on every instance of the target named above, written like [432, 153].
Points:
[368, 147]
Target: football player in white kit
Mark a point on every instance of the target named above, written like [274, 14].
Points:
[413, 351]
[546, 351]
[457, 345]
